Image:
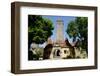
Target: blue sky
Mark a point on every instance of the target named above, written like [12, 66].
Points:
[66, 20]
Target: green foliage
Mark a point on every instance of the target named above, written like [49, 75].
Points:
[72, 30]
[39, 29]
[78, 29]
[38, 53]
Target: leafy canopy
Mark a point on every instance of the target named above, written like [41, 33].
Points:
[78, 29]
[39, 29]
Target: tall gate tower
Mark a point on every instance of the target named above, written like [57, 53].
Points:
[59, 31]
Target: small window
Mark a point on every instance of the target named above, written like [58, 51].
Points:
[58, 52]
[65, 51]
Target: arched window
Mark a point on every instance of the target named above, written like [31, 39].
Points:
[58, 52]
[65, 51]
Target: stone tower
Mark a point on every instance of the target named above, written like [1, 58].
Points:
[59, 31]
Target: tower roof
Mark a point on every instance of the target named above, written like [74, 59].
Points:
[67, 43]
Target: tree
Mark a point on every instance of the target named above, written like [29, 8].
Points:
[78, 29]
[72, 30]
[39, 29]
